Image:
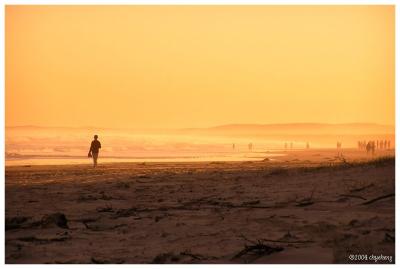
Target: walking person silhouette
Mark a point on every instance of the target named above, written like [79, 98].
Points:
[94, 150]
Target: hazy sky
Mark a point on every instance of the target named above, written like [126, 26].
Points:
[198, 66]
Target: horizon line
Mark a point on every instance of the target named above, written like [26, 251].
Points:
[209, 127]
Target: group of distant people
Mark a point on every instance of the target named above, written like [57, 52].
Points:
[369, 146]
[372, 145]
[249, 146]
[291, 145]
[286, 145]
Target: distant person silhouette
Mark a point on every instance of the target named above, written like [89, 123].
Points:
[373, 147]
[250, 146]
[339, 148]
[94, 150]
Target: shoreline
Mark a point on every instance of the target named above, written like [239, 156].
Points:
[274, 157]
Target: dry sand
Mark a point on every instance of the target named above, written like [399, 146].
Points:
[305, 207]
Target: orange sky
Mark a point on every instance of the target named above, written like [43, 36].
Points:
[198, 66]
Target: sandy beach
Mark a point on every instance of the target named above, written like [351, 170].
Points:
[305, 207]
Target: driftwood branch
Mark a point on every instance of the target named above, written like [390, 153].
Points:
[288, 241]
[353, 196]
[248, 240]
[362, 188]
[378, 198]
[258, 249]
[276, 241]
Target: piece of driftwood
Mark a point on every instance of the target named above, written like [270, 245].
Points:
[378, 198]
[362, 188]
[288, 241]
[353, 196]
[193, 256]
[258, 249]
[278, 240]
[304, 203]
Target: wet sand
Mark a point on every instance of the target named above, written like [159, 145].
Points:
[305, 207]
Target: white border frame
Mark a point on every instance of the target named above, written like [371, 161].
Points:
[178, 2]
